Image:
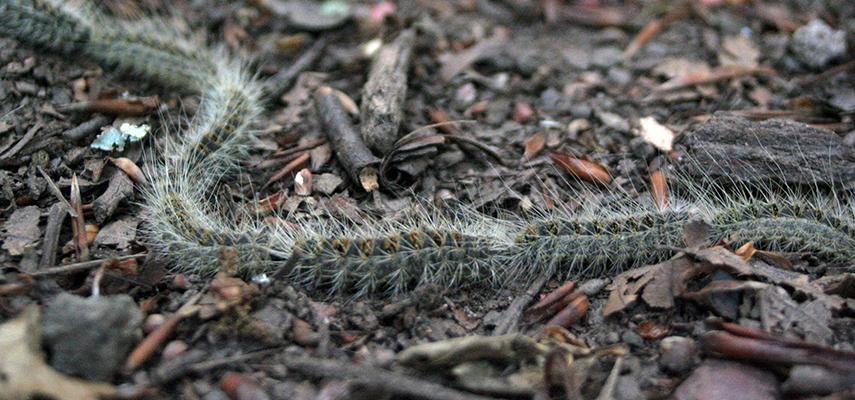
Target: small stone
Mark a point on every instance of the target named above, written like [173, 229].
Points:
[593, 286]
[466, 94]
[633, 339]
[607, 57]
[816, 44]
[614, 121]
[174, 349]
[327, 183]
[152, 322]
[90, 336]
[620, 76]
[677, 354]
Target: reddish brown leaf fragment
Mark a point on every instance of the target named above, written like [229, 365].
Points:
[650, 330]
[293, 165]
[130, 168]
[534, 145]
[572, 313]
[241, 387]
[444, 123]
[582, 169]
[552, 298]
[522, 113]
[128, 107]
[659, 190]
[158, 337]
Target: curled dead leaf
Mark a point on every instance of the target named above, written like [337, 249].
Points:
[746, 251]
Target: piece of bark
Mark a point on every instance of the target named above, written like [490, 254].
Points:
[78, 224]
[384, 93]
[382, 383]
[120, 188]
[56, 216]
[354, 156]
[86, 128]
[731, 149]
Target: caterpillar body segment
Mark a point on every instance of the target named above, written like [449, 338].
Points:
[193, 229]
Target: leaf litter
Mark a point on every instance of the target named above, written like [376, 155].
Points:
[593, 106]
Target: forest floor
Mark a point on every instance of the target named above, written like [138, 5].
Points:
[522, 108]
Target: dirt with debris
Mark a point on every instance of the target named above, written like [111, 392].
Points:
[517, 108]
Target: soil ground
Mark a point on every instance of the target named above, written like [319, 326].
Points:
[546, 81]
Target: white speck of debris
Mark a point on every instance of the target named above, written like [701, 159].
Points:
[261, 280]
[656, 134]
[371, 47]
[134, 132]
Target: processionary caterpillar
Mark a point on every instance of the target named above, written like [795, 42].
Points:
[187, 228]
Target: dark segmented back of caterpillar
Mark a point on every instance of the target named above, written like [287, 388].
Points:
[41, 24]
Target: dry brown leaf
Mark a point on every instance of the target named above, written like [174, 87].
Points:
[655, 284]
[659, 284]
[716, 287]
[22, 230]
[130, 168]
[534, 145]
[25, 373]
[734, 264]
[746, 251]
[582, 169]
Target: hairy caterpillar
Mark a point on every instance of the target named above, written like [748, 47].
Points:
[189, 228]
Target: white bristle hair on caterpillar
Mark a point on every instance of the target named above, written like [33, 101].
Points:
[191, 229]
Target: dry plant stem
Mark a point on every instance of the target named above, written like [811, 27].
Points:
[156, 338]
[81, 266]
[31, 133]
[598, 17]
[298, 149]
[511, 317]
[289, 168]
[384, 93]
[653, 28]
[360, 164]
[610, 386]
[387, 382]
[715, 76]
[55, 190]
[460, 61]
[832, 72]
[169, 372]
[119, 189]
[54, 226]
[86, 128]
[78, 225]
